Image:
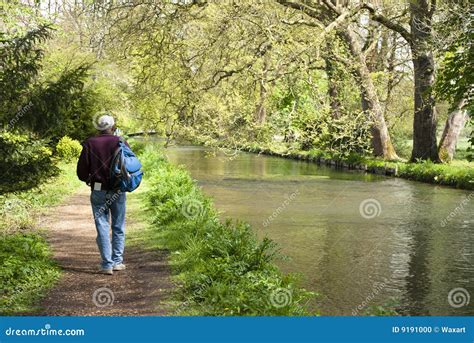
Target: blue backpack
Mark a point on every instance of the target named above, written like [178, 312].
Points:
[125, 173]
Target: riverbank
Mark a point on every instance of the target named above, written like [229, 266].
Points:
[221, 268]
[457, 174]
[342, 228]
[27, 269]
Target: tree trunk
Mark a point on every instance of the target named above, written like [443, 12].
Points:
[261, 109]
[381, 142]
[331, 73]
[454, 125]
[424, 123]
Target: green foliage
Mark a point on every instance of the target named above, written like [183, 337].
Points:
[456, 176]
[26, 270]
[49, 92]
[62, 106]
[456, 73]
[68, 149]
[137, 145]
[306, 123]
[470, 150]
[25, 161]
[459, 174]
[387, 309]
[20, 63]
[223, 268]
[18, 209]
[344, 136]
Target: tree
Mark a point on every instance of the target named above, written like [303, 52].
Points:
[420, 37]
[333, 17]
[20, 63]
[456, 74]
[455, 122]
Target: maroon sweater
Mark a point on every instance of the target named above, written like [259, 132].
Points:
[95, 159]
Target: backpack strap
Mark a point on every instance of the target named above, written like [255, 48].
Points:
[113, 162]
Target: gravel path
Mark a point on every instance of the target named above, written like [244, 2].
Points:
[139, 290]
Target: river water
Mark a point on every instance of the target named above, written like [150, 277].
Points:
[359, 241]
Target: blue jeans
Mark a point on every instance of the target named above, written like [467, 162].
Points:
[104, 205]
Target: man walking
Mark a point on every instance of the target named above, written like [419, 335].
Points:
[93, 168]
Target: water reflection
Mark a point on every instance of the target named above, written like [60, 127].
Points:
[403, 252]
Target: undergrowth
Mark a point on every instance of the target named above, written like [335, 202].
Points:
[221, 266]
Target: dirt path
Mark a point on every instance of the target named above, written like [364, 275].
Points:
[81, 291]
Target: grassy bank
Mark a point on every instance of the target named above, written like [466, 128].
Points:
[458, 174]
[26, 267]
[221, 268]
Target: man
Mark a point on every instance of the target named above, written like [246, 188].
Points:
[93, 168]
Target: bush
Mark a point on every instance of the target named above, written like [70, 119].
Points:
[26, 269]
[137, 146]
[68, 149]
[24, 162]
[223, 268]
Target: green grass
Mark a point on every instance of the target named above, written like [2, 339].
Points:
[220, 268]
[460, 154]
[26, 267]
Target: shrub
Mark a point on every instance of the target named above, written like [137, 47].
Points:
[26, 266]
[24, 162]
[137, 146]
[26, 269]
[68, 149]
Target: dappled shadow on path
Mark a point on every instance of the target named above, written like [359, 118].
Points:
[139, 290]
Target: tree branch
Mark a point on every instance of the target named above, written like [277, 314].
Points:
[302, 22]
[387, 22]
[305, 9]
